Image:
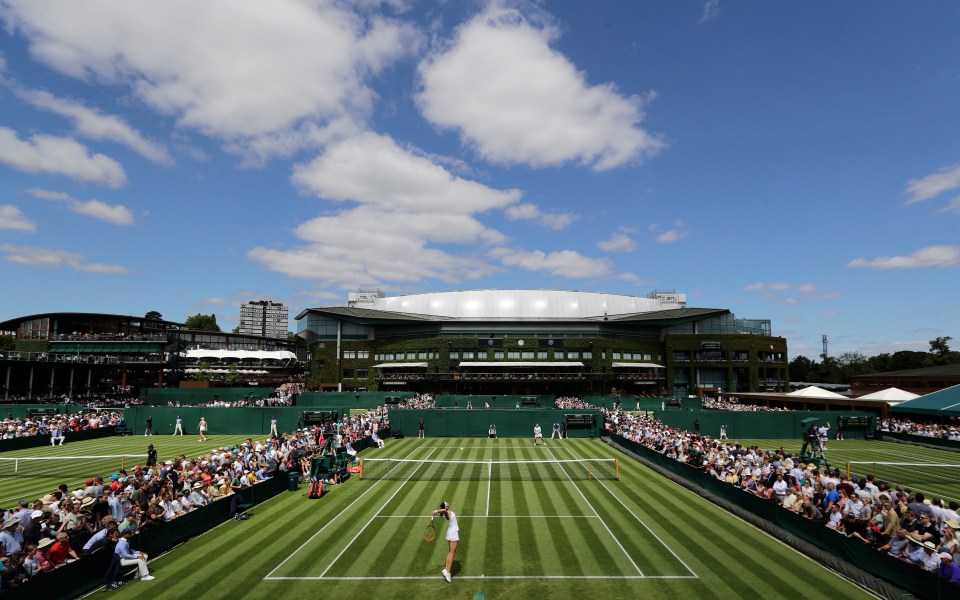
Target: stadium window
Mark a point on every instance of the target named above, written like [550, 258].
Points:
[616, 356]
[527, 355]
[542, 356]
[498, 355]
[348, 374]
[573, 355]
[363, 373]
[603, 355]
[388, 356]
[349, 354]
[513, 355]
[411, 356]
[647, 356]
[558, 355]
[422, 355]
[469, 355]
[588, 355]
[454, 355]
[363, 354]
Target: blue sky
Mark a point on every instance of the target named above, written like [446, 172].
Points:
[792, 161]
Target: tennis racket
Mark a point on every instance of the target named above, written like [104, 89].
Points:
[429, 534]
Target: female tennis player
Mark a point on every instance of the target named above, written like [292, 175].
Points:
[453, 537]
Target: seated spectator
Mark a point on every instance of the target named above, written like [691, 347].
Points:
[61, 552]
[948, 569]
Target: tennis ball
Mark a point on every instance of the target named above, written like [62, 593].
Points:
[461, 448]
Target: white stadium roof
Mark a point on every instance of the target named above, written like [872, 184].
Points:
[241, 354]
[522, 304]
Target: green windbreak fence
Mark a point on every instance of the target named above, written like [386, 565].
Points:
[185, 396]
[250, 420]
[762, 424]
[476, 423]
[879, 564]
[506, 401]
[347, 399]
[19, 411]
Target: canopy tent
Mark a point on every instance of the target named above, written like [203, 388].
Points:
[890, 395]
[418, 365]
[816, 392]
[944, 403]
[643, 365]
[280, 355]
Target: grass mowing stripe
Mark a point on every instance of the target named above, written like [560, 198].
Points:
[639, 520]
[319, 531]
[375, 514]
[615, 538]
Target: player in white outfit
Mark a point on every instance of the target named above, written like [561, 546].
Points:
[453, 537]
[538, 435]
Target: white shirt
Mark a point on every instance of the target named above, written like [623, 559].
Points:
[537, 430]
[453, 528]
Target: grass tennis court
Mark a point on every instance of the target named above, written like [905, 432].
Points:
[639, 536]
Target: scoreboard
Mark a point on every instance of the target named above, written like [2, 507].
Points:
[856, 422]
[581, 420]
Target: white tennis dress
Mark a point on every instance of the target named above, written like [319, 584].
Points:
[453, 528]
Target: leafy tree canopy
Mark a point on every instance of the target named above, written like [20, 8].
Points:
[202, 323]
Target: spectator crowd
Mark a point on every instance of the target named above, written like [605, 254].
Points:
[943, 431]
[921, 531]
[17, 427]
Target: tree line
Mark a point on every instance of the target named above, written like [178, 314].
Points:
[839, 369]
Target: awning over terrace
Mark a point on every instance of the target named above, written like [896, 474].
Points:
[507, 363]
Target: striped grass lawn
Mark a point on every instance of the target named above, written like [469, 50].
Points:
[933, 482]
[43, 477]
[641, 536]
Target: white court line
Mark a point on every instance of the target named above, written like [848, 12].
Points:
[400, 487]
[579, 491]
[434, 577]
[495, 516]
[639, 520]
[330, 522]
[489, 483]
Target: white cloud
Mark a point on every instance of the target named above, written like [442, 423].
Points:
[515, 99]
[117, 214]
[790, 293]
[530, 212]
[677, 233]
[58, 156]
[265, 77]
[11, 217]
[564, 263]
[93, 124]
[931, 186]
[940, 256]
[952, 207]
[710, 10]
[33, 256]
[619, 241]
[403, 208]
[214, 302]
[631, 277]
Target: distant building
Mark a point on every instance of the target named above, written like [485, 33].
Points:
[264, 318]
[539, 342]
[925, 380]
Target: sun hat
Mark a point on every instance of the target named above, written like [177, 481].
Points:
[44, 543]
[929, 545]
[11, 522]
[946, 556]
[36, 513]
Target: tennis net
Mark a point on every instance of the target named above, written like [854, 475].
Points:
[59, 466]
[581, 469]
[906, 473]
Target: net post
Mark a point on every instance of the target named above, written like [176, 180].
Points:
[617, 469]
[361, 469]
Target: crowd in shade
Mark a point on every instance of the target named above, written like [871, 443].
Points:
[733, 403]
[418, 401]
[62, 526]
[573, 403]
[944, 431]
[16, 427]
[922, 531]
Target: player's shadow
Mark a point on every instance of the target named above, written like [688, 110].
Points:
[455, 567]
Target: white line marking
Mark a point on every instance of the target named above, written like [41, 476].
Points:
[489, 483]
[330, 522]
[495, 517]
[579, 491]
[639, 520]
[434, 577]
[400, 487]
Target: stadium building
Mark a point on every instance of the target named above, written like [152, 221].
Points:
[539, 341]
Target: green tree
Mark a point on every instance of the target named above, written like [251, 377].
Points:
[232, 376]
[153, 315]
[7, 343]
[203, 373]
[801, 367]
[202, 323]
[940, 346]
